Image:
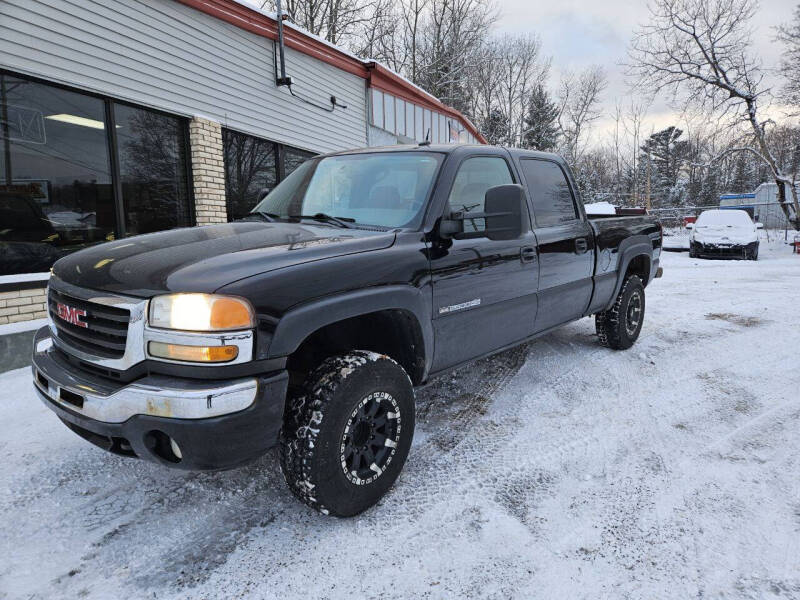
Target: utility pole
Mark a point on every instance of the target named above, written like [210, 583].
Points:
[647, 197]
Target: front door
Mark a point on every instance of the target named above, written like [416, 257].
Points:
[566, 256]
[484, 291]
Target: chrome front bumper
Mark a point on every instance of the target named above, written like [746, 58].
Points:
[106, 401]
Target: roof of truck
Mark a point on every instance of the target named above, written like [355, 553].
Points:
[447, 149]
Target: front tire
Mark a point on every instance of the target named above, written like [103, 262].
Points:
[346, 437]
[619, 327]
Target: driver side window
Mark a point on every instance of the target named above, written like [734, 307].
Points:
[474, 177]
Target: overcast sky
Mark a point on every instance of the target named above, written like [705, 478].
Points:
[579, 33]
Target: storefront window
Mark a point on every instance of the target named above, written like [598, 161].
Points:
[57, 179]
[293, 158]
[251, 170]
[55, 175]
[253, 167]
[152, 165]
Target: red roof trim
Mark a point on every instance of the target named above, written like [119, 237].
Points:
[255, 22]
[376, 74]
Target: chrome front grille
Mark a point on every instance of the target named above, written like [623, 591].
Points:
[113, 336]
[106, 327]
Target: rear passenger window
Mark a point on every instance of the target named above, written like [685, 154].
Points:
[474, 177]
[552, 199]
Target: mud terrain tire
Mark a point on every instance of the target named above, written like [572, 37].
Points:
[619, 327]
[347, 435]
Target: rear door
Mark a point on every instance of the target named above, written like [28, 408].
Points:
[484, 291]
[566, 252]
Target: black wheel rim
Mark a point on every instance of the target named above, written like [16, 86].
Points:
[633, 316]
[370, 438]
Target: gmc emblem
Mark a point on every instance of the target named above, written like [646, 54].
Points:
[71, 315]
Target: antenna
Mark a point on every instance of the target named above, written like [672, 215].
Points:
[427, 141]
[283, 79]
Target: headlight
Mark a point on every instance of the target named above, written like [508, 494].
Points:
[201, 312]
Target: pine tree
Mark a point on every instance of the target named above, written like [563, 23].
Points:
[669, 156]
[740, 183]
[495, 127]
[541, 121]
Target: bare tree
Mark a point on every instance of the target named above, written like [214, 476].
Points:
[448, 44]
[580, 107]
[413, 19]
[338, 21]
[521, 69]
[789, 35]
[378, 36]
[700, 48]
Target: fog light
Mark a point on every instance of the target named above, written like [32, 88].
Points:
[193, 353]
[176, 450]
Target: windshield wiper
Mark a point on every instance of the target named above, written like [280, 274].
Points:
[345, 222]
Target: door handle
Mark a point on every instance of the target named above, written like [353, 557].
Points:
[527, 254]
[581, 245]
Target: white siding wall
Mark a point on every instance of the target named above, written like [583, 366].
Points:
[165, 55]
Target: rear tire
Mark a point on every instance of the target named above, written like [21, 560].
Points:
[619, 327]
[346, 437]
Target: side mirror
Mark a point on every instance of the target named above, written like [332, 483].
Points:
[502, 211]
[759, 226]
[690, 226]
[503, 206]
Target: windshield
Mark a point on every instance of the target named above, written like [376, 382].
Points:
[724, 218]
[387, 189]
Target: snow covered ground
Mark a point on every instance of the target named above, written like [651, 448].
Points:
[557, 470]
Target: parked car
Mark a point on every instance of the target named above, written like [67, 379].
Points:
[308, 324]
[725, 233]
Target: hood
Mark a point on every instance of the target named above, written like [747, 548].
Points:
[203, 259]
[724, 234]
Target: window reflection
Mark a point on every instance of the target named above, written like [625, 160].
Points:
[293, 158]
[55, 175]
[550, 193]
[152, 162]
[475, 176]
[251, 170]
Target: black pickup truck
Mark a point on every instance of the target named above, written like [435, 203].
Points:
[308, 324]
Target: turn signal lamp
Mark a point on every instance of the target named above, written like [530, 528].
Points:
[208, 354]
